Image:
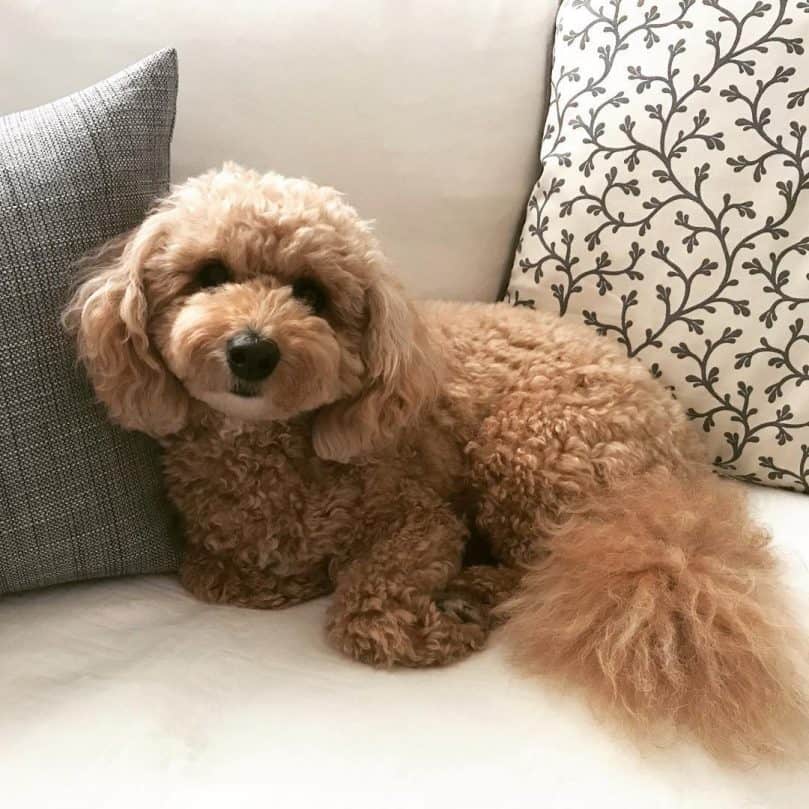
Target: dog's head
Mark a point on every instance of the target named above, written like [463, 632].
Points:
[262, 297]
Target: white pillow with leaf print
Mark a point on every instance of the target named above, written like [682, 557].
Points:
[672, 214]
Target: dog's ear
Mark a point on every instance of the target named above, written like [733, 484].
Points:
[402, 375]
[108, 316]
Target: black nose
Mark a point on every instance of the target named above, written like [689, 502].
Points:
[251, 357]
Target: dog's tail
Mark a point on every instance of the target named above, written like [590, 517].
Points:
[663, 600]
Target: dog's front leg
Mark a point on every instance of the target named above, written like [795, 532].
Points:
[220, 579]
[386, 609]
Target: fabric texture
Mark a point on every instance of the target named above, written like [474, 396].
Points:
[113, 683]
[78, 497]
[672, 214]
[425, 114]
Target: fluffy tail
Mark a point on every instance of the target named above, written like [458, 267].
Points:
[664, 601]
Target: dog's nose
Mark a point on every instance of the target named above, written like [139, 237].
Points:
[251, 357]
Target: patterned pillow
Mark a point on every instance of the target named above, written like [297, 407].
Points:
[672, 214]
[78, 497]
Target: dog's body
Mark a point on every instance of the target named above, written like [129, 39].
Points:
[358, 441]
[531, 414]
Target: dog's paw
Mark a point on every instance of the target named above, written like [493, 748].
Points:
[472, 597]
[396, 636]
[464, 607]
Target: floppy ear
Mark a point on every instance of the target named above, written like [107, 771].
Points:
[108, 316]
[402, 375]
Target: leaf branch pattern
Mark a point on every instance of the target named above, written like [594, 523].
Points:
[723, 239]
[740, 407]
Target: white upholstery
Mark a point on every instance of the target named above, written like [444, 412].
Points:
[427, 114]
[129, 693]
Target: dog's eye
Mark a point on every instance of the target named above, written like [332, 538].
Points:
[311, 293]
[212, 273]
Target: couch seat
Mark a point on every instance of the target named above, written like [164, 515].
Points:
[130, 693]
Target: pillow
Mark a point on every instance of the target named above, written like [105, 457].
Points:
[672, 214]
[79, 498]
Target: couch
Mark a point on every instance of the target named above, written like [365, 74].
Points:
[128, 692]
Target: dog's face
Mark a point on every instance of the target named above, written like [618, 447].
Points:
[257, 289]
[262, 298]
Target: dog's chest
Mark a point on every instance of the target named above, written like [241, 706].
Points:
[264, 497]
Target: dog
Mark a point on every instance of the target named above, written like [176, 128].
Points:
[323, 434]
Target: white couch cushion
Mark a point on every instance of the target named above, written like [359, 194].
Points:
[426, 114]
[129, 693]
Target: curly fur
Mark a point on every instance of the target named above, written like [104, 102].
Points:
[663, 599]
[391, 433]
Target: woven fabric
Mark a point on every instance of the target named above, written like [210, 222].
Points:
[79, 498]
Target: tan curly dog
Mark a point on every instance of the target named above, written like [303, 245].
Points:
[324, 435]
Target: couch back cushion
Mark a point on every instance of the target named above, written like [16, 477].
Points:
[425, 114]
[79, 498]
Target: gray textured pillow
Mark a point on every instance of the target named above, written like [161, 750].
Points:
[79, 498]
